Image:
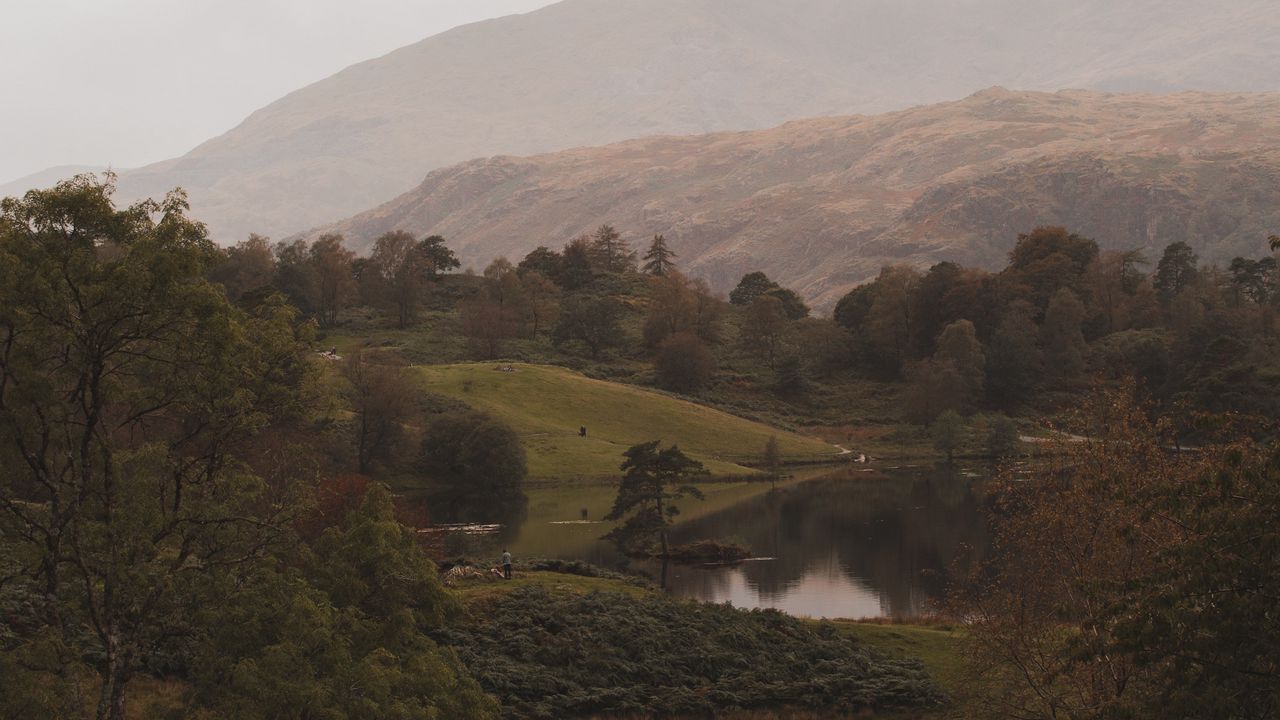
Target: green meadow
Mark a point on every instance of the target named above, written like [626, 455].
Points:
[547, 405]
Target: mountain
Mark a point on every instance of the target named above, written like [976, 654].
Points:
[823, 204]
[44, 178]
[588, 72]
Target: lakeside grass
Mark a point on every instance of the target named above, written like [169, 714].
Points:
[547, 405]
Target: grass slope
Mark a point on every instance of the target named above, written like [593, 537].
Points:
[546, 405]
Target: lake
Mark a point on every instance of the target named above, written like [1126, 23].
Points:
[849, 543]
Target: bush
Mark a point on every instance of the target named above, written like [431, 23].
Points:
[548, 655]
[684, 364]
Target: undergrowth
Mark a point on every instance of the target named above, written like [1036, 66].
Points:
[549, 655]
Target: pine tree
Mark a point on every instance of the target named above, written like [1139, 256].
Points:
[659, 257]
[652, 480]
[610, 252]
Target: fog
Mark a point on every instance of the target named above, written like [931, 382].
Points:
[128, 82]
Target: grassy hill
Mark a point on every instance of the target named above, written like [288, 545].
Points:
[547, 405]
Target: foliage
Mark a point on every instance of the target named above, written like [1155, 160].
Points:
[382, 397]
[549, 655]
[948, 433]
[345, 639]
[683, 363]
[128, 389]
[1002, 436]
[1130, 580]
[610, 253]
[593, 321]
[659, 259]
[480, 462]
[653, 479]
[750, 287]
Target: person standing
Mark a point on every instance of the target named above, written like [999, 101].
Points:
[506, 564]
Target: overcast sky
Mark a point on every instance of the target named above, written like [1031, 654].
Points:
[128, 82]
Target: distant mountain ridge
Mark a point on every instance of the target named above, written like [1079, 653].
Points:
[588, 72]
[823, 204]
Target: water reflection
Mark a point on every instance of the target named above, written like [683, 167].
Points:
[845, 544]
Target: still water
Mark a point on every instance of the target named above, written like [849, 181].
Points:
[853, 543]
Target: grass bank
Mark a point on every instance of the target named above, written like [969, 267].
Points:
[547, 405]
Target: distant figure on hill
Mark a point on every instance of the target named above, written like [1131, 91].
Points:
[506, 564]
[582, 431]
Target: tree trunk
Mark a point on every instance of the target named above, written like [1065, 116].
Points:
[114, 679]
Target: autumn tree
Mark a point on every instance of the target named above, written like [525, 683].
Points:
[596, 322]
[958, 346]
[1128, 580]
[1014, 360]
[654, 479]
[246, 267]
[1046, 260]
[401, 267]
[335, 283]
[609, 252]
[295, 276]
[540, 302]
[684, 363]
[678, 304]
[659, 259]
[487, 325]
[382, 397]
[792, 304]
[1061, 336]
[436, 257]
[890, 320]
[129, 387]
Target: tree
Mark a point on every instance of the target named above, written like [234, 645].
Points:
[1127, 580]
[1254, 279]
[933, 388]
[346, 636]
[934, 312]
[541, 301]
[480, 463]
[792, 304]
[958, 346]
[1061, 336]
[677, 304]
[828, 347]
[246, 267]
[1176, 270]
[382, 399]
[295, 275]
[752, 286]
[772, 457]
[436, 257]
[335, 283]
[789, 377]
[948, 433]
[577, 270]
[401, 268]
[1046, 260]
[765, 327]
[595, 322]
[129, 387]
[653, 480]
[683, 363]
[610, 252]
[487, 325]
[542, 260]
[1014, 360]
[1002, 437]
[659, 258]
[890, 321]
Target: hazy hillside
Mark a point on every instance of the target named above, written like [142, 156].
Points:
[822, 204]
[586, 72]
